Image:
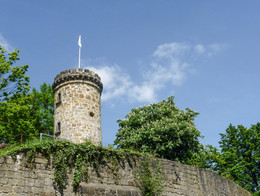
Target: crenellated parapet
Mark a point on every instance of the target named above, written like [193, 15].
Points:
[77, 74]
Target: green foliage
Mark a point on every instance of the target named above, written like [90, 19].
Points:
[149, 176]
[22, 113]
[238, 158]
[27, 114]
[206, 158]
[16, 119]
[240, 149]
[66, 155]
[161, 129]
[43, 109]
[13, 80]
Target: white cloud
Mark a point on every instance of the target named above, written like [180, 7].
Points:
[209, 50]
[199, 49]
[116, 82]
[170, 64]
[171, 50]
[5, 44]
[142, 93]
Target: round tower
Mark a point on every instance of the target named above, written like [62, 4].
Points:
[77, 106]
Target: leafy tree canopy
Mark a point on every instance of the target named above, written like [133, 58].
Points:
[22, 112]
[12, 78]
[240, 149]
[238, 158]
[43, 108]
[30, 115]
[161, 129]
[15, 119]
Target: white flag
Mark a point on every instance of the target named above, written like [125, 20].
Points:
[79, 43]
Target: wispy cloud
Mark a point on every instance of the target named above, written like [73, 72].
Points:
[116, 82]
[171, 50]
[170, 64]
[209, 50]
[5, 44]
[199, 49]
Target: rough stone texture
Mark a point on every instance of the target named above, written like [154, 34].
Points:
[18, 178]
[77, 115]
[104, 189]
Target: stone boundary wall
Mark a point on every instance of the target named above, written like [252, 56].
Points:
[18, 178]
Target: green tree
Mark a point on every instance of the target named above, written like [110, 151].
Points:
[43, 108]
[22, 112]
[29, 114]
[14, 100]
[161, 129]
[16, 118]
[12, 78]
[206, 157]
[240, 149]
[238, 157]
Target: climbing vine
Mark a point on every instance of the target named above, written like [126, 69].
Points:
[149, 176]
[63, 156]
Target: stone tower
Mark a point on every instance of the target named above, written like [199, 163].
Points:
[77, 106]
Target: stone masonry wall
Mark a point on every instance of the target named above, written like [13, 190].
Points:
[18, 178]
[77, 106]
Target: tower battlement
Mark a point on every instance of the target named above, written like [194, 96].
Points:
[77, 106]
[77, 74]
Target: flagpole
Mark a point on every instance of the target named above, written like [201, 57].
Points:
[79, 56]
[79, 43]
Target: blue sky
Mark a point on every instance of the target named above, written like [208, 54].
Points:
[205, 53]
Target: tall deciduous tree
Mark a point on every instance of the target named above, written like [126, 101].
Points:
[28, 114]
[238, 157]
[43, 108]
[14, 100]
[16, 119]
[22, 112]
[161, 129]
[240, 149]
[12, 78]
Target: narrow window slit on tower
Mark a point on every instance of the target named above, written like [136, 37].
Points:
[58, 126]
[58, 99]
[58, 129]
